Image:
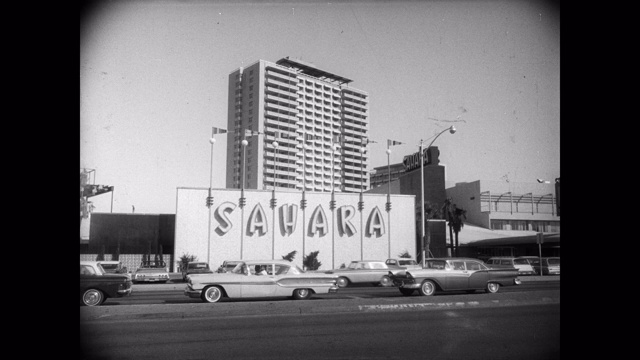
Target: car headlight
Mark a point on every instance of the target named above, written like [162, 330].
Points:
[409, 276]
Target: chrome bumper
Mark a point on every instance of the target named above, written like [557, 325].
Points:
[517, 281]
[191, 293]
[333, 289]
[126, 292]
[406, 284]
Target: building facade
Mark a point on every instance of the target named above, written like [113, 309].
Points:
[342, 227]
[507, 206]
[305, 128]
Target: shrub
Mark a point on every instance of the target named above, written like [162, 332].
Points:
[289, 257]
[311, 262]
[185, 259]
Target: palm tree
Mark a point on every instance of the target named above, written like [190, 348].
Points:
[447, 211]
[310, 262]
[456, 223]
[431, 211]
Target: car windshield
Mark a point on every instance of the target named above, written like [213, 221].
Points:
[408, 262]
[110, 267]
[520, 262]
[353, 265]
[204, 266]
[436, 264]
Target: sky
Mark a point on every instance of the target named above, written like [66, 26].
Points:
[154, 77]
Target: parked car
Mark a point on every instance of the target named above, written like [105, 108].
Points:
[523, 265]
[550, 266]
[96, 285]
[114, 267]
[260, 278]
[374, 272]
[407, 263]
[227, 266]
[151, 271]
[196, 268]
[453, 274]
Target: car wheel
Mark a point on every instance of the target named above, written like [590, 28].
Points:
[407, 292]
[92, 297]
[427, 288]
[342, 282]
[492, 288]
[386, 281]
[301, 294]
[212, 294]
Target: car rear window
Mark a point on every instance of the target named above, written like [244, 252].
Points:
[553, 261]
[520, 261]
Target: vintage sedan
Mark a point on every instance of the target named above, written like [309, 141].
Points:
[373, 272]
[502, 262]
[453, 274]
[96, 285]
[550, 266]
[151, 271]
[260, 278]
[114, 267]
[196, 268]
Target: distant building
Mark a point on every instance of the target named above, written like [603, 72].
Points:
[317, 119]
[508, 206]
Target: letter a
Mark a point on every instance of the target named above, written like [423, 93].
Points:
[318, 222]
[375, 223]
[258, 220]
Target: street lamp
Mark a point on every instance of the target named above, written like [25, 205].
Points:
[273, 200]
[452, 130]
[362, 149]
[212, 141]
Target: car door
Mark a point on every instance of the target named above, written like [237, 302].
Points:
[256, 285]
[457, 276]
[478, 274]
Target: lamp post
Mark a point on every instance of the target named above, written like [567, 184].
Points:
[273, 200]
[452, 130]
[212, 140]
[363, 149]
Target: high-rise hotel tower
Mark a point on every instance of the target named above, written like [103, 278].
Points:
[317, 120]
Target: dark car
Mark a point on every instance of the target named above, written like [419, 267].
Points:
[453, 274]
[371, 272]
[96, 285]
[550, 266]
[196, 268]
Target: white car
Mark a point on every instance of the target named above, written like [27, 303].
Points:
[260, 278]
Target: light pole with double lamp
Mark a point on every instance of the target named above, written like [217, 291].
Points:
[452, 130]
[212, 140]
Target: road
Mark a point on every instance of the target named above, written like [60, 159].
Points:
[357, 323]
[511, 332]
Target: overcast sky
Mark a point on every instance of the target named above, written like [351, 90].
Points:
[154, 77]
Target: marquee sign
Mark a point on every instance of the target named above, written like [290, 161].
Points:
[412, 161]
[266, 229]
[318, 223]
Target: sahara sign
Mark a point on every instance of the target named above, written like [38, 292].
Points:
[413, 161]
[318, 223]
